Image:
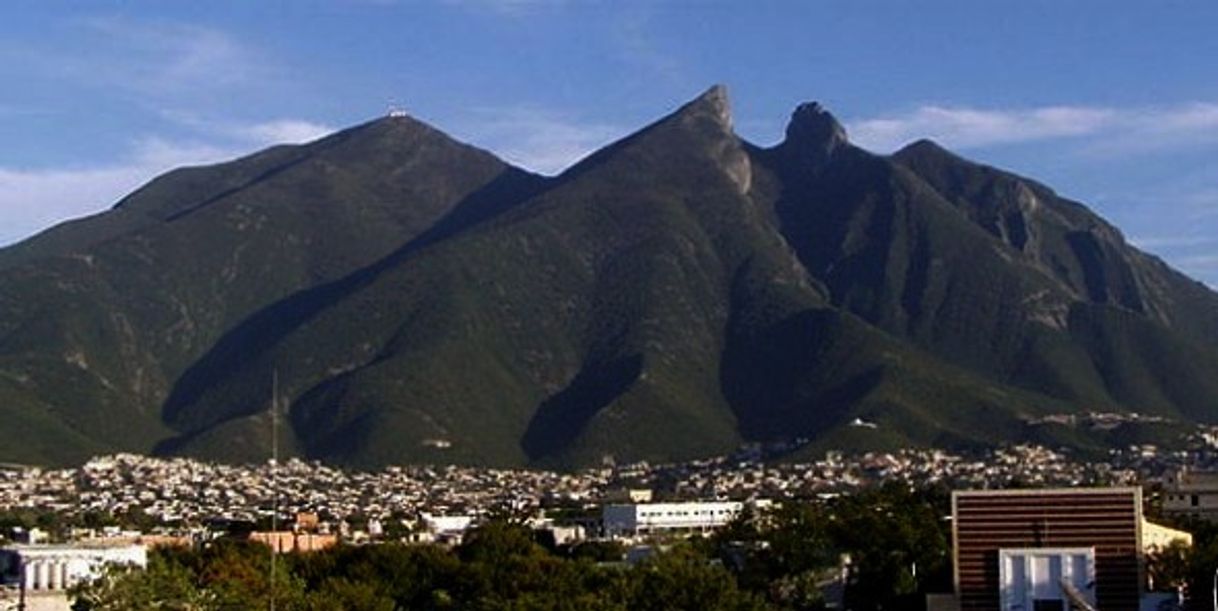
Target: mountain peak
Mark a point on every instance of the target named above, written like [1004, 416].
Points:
[813, 132]
[713, 104]
[681, 282]
[922, 148]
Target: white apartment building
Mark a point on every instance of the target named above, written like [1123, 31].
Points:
[636, 519]
[43, 573]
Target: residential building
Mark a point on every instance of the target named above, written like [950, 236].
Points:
[1191, 492]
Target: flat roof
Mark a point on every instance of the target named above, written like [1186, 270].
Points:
[1048, 491]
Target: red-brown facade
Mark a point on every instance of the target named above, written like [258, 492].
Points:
[1107, 519]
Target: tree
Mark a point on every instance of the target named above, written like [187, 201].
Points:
[895, 538]
[683, 579]
[1168, 567]
[162, 585]
[341, 594]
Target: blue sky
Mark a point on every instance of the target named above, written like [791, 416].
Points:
[1112, 103]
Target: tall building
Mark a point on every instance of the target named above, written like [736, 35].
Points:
[1039, 550]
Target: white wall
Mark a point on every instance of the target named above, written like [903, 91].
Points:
[1028, 574]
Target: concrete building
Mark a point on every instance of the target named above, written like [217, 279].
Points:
[639, 519]
[1190, 492]
[447, 524]
[306, 521]
[1157, 536]
[43, 573]
[287, 541]
[443, 529]
[1048, 549]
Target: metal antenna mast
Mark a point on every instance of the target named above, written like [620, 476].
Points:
[274, 478]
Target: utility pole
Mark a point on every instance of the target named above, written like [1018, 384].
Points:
[274, 478]
[1215, 589]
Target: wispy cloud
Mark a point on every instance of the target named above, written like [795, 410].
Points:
[21, 111]
[284, 131]
[1170, 242]
[32, 199]
[542, 140]
[1094, 130]
[146, 61]
[1201, 266]
[167, 57]
[279, 131]
[513, 8]
[152, 65]
[641, 46]
[1202, 203]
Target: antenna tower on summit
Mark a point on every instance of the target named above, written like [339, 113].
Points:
[395, 111]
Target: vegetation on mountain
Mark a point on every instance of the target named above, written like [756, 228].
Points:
[674, 295]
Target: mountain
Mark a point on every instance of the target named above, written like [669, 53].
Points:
[674, 295]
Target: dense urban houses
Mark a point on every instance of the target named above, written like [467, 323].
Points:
[1028, 548]
[185, 491]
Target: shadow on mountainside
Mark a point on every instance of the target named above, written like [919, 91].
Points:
[560, 419]
[245, 343]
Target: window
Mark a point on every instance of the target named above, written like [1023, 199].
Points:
[1194, 500]
[1048, 604]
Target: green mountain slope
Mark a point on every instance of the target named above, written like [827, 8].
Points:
[99, 318]
[675, 295]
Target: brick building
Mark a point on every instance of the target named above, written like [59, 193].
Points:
[1032, 550]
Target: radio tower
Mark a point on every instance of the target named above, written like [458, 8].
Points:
[395, 111]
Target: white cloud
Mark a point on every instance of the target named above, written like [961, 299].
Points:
[640, 45]
[540, 140]
[290, 131]
[503, 7]
[1193, 116]
[1203, 264]
[277, 131]
[164, 58]
[21, 111]
[1096, 130]
[32, 199]
[1152, 242]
